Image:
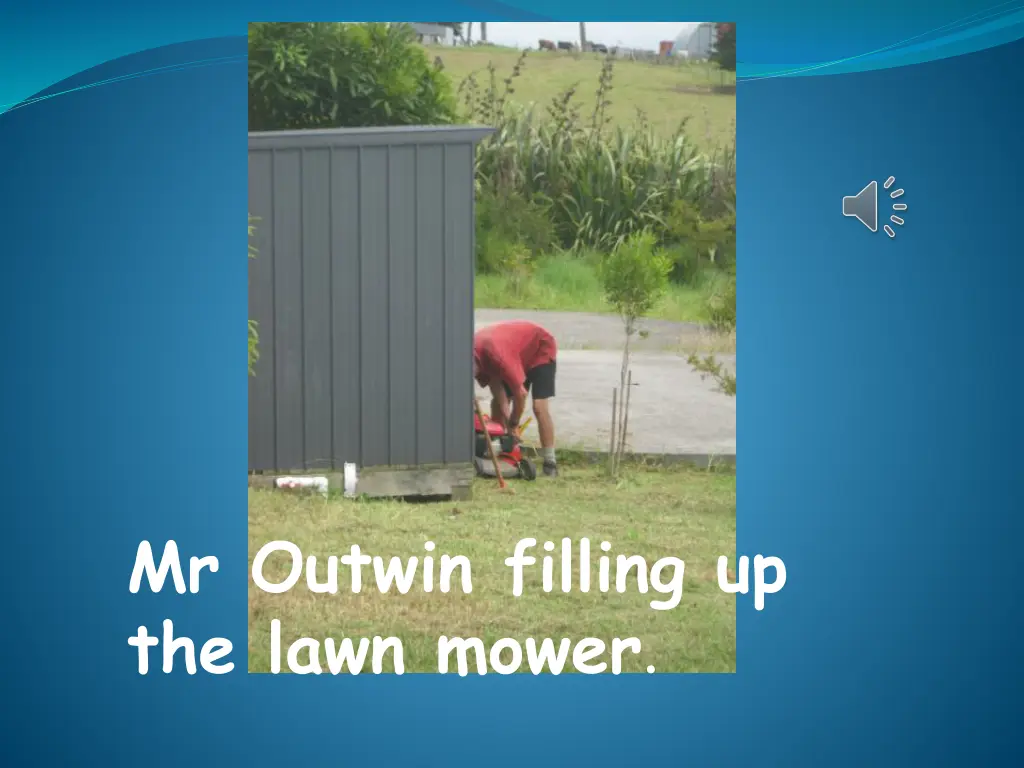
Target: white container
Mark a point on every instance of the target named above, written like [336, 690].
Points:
[351, 480]
[319, 484]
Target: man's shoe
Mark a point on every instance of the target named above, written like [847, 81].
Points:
[550, 469]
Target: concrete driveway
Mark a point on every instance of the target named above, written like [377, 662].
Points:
[672, 410]
[582, 330]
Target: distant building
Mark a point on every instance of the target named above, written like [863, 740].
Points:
[696, 43]
[433, 34]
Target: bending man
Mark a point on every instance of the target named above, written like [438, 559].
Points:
[512, 359]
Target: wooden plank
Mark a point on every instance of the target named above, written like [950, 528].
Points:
[386, 482]
[392, 482]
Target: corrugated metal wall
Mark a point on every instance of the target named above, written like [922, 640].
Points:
[363, 290]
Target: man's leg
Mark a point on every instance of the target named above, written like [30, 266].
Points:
[546, 427]
[542, 379]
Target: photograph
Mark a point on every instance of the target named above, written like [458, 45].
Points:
[492, 347]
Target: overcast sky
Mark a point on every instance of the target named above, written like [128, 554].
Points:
[629, 34]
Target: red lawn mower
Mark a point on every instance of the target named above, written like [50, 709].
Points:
[508, 450]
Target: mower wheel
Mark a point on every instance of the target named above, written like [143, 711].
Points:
[528, 469]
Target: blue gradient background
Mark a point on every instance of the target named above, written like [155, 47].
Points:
[879, 422]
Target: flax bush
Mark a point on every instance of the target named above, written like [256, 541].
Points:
[597, 185]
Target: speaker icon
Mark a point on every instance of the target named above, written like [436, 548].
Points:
[864, 206]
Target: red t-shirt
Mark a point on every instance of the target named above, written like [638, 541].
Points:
[506, 351]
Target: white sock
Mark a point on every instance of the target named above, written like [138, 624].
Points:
[548, 454]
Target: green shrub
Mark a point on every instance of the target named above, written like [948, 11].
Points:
[634, 277]
[519, 267]
[709, 367]
[721, 309]
[721, 301]
[699, 240]
[686, 262]
[503, 218]
[329, 74]
[509, 258]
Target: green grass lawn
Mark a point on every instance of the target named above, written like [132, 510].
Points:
[569, 284]
[653, 513]
[666, 93]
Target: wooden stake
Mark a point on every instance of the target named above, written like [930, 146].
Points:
[490, 445]
[615, 415]
[625, 417]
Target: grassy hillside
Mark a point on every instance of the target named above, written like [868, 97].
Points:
[666, 93]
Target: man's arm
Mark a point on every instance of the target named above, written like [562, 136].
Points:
[499, 403]
[501, 411]
[510, 371]
[518, 407]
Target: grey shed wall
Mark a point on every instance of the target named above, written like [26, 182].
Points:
[363, 290]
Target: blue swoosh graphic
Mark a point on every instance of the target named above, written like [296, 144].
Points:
[1005, 26]
[5, 108]
[999, 24]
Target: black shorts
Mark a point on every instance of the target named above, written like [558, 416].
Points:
[540, 381]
